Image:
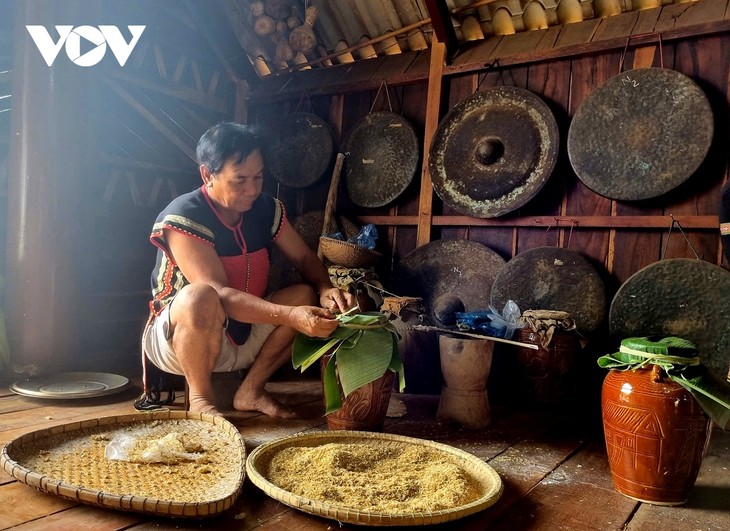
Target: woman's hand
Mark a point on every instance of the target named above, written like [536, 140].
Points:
[313, 321]
[335, 299]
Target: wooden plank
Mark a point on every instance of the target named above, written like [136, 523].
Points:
[690, 14]
[700, 222]
[395, 65]
[20, 503]
[646, 22]
[701, 193]
[549, 37]
[552, 82]
[578, 33]
[587, 74]
[708, 506]
[84, 517]
[578, 494]
[519, 43]
[616, 27]
[433, 106]
[475, 52]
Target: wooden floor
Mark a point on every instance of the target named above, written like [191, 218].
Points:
[554, 470]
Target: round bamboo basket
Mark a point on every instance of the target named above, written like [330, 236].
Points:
[15, 459]
[489, 482]
[347, 254]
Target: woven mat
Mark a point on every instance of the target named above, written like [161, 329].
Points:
[68, 461]
[480, 474]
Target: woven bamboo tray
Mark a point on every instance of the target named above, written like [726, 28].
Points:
[84, 439]
[489, 482]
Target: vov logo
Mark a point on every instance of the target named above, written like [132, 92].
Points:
[98, 36]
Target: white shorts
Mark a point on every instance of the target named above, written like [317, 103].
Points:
[157, 346]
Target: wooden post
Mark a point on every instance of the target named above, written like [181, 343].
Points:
[433, 106]
[47, 220]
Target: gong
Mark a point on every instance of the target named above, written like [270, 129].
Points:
[302, 149]
[683, 297]
[382, 159]
[552, 278]
[450, 276]
[493, 152]
[640, 134]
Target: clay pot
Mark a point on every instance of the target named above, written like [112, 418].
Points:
[365, 408]
[656, 436]
[547, 374]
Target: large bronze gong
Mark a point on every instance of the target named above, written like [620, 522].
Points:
[382, 157]
[302, 149]
[493, 152]
[552, 278]
[640, 134]
[450, 276]
[682, 297]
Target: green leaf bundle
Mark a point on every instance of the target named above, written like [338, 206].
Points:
[362, 348]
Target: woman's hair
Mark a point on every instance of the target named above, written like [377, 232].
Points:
[228, 141]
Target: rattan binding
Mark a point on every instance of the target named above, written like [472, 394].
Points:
[12, 461]
[258, 462]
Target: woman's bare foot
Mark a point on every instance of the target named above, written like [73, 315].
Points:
[246, 400]
[200, 404]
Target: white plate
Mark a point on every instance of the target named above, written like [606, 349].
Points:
[66, 385]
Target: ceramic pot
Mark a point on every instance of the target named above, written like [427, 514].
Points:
[365, 408]
[547, 374]
[656, 435]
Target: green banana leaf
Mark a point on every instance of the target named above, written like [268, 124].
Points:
[363, 347]
[366, 363]
[333, 402]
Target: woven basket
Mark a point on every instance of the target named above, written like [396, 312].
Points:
[84, 437]
[490, 484]
[347, 254]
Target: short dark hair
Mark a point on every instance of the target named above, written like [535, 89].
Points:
[228, 141]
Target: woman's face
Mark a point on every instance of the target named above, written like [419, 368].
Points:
[237, 186]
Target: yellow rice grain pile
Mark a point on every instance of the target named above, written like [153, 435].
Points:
[367, 477]
[77, 458]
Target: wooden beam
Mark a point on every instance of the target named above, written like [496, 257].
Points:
[578, 222]
[182, 93]
[433, 107]
[442, 27]
[151, 118]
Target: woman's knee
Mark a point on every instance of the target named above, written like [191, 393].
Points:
[198, 306]
[296, 295]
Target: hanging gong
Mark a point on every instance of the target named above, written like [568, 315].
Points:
[382, 159]
[552, 278]
[450, 276]
[640, 134]
[493, 152]
[683, 297]
[302, 149]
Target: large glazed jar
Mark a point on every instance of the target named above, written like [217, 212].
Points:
[656, 435]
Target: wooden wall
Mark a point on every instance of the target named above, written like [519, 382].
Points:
[619, 238]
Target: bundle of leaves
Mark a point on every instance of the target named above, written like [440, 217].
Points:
[362, 348]
[679, 361]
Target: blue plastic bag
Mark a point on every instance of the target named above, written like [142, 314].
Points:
[366, 237]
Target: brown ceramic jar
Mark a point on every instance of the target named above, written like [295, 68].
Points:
[365, 408]
[656, 435]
